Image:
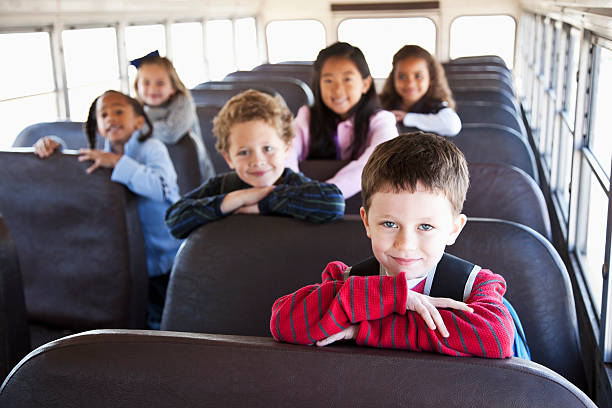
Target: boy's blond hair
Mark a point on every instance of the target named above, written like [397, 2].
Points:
[400, 163]
[253, 105]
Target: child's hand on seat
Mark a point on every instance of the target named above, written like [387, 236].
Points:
[427, 307]
[399, 115]
[45, 146]
[100, 159]
[349, 333]
[246, 198]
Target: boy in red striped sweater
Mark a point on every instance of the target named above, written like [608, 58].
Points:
[413, 189]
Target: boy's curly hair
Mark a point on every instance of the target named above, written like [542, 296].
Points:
[253, 105]
[401, 163]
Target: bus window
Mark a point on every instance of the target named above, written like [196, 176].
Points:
[219, 48]
[188, 52]
[246, 43]
[141, 40]
[381, 38]
[573, 59]
[294, 40]
[27, 93]
[466, 37]
[600, 141]
[92, 66]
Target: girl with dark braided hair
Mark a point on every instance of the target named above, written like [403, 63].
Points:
[143, 165]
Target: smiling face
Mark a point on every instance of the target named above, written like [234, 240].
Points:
[342, 85]
[154, 85]
[409, 231]
[116, 118]
[411, 80]
[256, 153]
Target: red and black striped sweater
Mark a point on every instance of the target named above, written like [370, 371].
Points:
[378, 305]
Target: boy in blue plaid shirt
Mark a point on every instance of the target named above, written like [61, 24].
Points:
[254, 134]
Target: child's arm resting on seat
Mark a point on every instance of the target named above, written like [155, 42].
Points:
[304, 199]
[487, 332]
[317, 312]
[196, 208]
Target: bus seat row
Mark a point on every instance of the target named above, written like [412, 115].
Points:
[128, 368]
[223, 282]
[78, 240]
[183, 153]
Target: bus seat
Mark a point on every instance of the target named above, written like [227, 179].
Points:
[322, 170]
[476, 83]
[184, 156]
[206, 114]
[218, 93]
[490, 112]
[130, 368]
[476, 69]
[78, 239]
[490, 143]
[303, 72]
[538, 287]
[494, 95]
[474, 76]
[183, 153]
[71, 132]
[14, 334]
[228, 273]
[492, 60]
[507, 193]
[295, 92]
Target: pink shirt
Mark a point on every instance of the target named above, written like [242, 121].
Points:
[348, 178]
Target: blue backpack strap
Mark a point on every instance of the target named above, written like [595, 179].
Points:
[520, 347]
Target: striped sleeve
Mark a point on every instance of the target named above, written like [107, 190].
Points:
[304, 199]
[488, 332]
[196, 208]
[318, 311]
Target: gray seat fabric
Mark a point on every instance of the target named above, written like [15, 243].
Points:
[244, 263]
[295, 92]
[206, 114]
[78, 239]
[218, 93]
[152, 369]
[71, 132]
[506, 193]
[538, 287]
[14, 334]
[489, 143]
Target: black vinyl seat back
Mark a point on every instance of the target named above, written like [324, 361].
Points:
[303, 72]
[488, 143]
[70, 132]
[477, 82]
[206, 114]
[228, 273]
[538, 287]
[14, 333]
[135, 369]
[490, 113]
[218, 93]
[183, 154]
[507, 193]
[295, 92]
[492, 60]
[184, 157]
[323, 170]
[78, 239]
[474, 76]
[491, 95]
